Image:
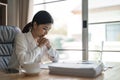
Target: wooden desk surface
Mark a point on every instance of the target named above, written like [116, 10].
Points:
[110, 74]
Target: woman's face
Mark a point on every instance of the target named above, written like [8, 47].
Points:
[41, 30]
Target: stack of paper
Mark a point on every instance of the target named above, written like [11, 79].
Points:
[84, 69]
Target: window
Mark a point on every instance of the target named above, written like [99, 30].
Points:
[104, 30]
[66, 34]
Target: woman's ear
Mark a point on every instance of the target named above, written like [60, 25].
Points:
[34, 25]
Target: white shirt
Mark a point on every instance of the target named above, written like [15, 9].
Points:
[26, 50]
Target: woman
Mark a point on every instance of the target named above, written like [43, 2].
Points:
[32, 45]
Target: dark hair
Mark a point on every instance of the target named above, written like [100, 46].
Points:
[41, 17]
[27, 28]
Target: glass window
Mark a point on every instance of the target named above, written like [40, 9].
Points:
[66, 33]
[104, 11]
[104, 30]
[38, 2]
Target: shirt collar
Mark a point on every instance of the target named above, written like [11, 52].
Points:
[30, 38]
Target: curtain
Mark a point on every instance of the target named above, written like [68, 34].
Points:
[25, 11]
[19, 12]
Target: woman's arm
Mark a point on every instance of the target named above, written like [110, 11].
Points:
[53, 55]
[22, 52]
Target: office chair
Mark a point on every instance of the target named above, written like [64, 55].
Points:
[7, 36]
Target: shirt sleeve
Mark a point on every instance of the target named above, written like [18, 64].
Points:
[22, 52]
[53, 54]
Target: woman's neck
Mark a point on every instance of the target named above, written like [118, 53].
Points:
[34, 35]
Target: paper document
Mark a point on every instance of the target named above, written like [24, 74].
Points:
[84, 69]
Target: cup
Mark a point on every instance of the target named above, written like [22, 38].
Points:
[31, 68]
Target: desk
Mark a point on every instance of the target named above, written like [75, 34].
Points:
[110, 74]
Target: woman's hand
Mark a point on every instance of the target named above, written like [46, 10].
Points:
[44, 41]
